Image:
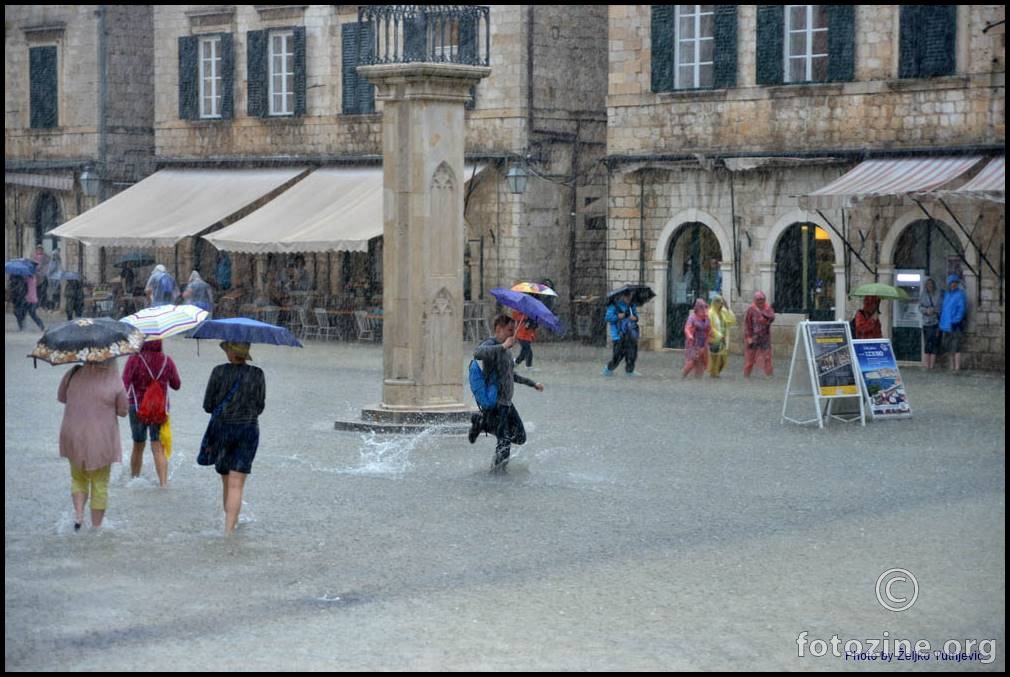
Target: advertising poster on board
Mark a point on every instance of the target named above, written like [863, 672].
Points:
[829, 348]
[883, 387]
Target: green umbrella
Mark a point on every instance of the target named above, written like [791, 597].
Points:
[880, 290]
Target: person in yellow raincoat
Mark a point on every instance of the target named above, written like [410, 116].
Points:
[721, 318]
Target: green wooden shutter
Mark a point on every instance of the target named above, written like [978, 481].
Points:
[189, 76]
[662, 30]
[938, 40]
[300, 71]
[415, 38]
[724, 68]
[358, 93]
[227, 76]
[468, 52]
[841, 43]
[908, 29]
[770, 44]
[44, 91]
[257, 73]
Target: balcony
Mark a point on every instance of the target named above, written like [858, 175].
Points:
[451, 34]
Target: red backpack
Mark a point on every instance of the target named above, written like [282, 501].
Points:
[152, 409]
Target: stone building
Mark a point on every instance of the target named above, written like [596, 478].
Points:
[79, 92]
[242, 90]
[724, 120]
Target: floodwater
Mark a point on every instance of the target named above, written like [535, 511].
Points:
[648, 524]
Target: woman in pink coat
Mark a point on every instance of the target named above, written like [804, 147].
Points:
[89, 437]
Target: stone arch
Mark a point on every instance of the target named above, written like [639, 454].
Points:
[907, 218]
[765, 279]
[659, 263]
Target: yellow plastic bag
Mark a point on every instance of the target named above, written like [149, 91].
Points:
[165, 435]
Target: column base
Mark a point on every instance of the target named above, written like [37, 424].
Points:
[454, 420]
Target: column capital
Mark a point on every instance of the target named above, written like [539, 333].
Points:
[426, 81]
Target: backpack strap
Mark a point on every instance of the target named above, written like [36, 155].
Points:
[153, 379]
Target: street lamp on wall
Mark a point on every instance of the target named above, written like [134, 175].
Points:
[516, 178]
[90, 182]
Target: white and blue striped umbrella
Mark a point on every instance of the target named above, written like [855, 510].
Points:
[159, 322]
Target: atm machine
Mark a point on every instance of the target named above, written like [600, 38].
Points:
[906, 331]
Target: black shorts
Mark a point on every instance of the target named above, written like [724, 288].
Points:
[140, 431]
[239, 442]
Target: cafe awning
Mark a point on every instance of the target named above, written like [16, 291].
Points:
[172, 204]
[880, 178]
[332, 209]
[989, 184]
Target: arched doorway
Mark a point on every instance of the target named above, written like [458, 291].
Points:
[930, 248]
[47, 217]
[804, 272]
[690, 274]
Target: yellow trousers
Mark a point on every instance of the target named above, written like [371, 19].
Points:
[96, 480]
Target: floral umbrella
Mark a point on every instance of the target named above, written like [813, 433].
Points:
[534, 288]
[87, 339]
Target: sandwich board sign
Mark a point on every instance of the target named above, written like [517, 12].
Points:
[823, 368]
[882, 385]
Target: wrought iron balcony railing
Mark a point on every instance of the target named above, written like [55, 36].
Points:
[457, 34]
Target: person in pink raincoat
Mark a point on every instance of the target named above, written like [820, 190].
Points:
[696, 334]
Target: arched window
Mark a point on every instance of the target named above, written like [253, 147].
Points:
[692, 272]
[47, 217]
[804, 272]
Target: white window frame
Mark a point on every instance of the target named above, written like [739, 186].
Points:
[696, 13]
[282, 78]
[210, 77]
[807, 30]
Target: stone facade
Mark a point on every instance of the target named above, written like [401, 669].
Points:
[736, 160]
[105, 123]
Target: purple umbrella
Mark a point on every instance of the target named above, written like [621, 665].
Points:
[528, 306]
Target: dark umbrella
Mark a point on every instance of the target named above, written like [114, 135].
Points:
[87, 340]
[20, 267]
[134, 260]
[70, 275]
[245, 330]
[640, 293]
[528, 306]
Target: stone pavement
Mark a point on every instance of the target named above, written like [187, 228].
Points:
[648, 524]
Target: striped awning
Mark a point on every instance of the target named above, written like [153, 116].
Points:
[989, 183]
[879, 178]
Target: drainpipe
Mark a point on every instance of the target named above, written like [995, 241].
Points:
[641, 227]
[103, 129]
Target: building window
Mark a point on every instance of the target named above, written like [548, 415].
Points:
[43, 85]
[210, 77]
[282, 73]
[806, 37]
[695, 46]
[927, 41]
[206, 77]
[276, 72]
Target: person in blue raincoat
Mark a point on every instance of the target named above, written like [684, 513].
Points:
[955, 306]
[622, 316]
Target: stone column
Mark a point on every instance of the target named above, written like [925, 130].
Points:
[423, 136]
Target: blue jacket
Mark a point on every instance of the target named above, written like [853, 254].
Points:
[954, 306]
[618, 306]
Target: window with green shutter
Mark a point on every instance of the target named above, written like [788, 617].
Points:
[693, 47]
[43, 85]
[207, 77]
[276, 69]
[805, 43]
[927, 41]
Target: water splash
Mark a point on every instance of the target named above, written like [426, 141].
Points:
[388, 455]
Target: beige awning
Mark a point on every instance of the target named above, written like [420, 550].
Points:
[172, 204]
[331, 210]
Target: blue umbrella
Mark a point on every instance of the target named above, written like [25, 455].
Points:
[20, 267]
[70, 275]
[245, 330]
[528, 306]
